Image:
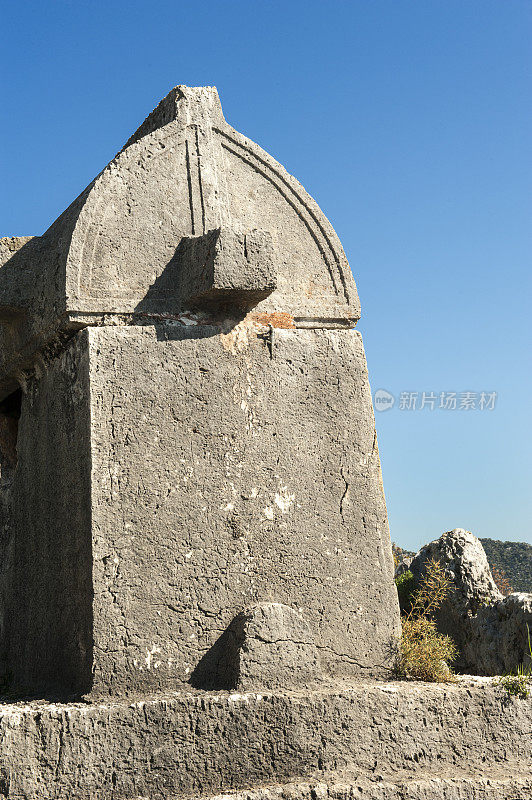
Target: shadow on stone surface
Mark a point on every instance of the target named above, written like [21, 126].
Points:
[268, 646]
[219, 667]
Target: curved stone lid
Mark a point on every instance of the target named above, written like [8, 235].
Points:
[189, 214]
[183, 174]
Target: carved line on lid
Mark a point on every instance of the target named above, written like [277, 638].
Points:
[196, 198]
[200, 184]
[189, 182]
[271, 174]
[260, 165]
[298, 211]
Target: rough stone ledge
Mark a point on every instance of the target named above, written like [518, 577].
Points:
[431, 787]
[202, 744]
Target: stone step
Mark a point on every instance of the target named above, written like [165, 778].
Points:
[497, 785]
[395, 737]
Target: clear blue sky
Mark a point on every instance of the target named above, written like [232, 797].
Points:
[410, 123]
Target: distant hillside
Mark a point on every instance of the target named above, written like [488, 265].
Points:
[512, 558]
[399, 553]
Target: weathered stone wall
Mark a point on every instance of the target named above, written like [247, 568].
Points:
[231, 469]
[171, 476]
[379, 735]
[47, 597]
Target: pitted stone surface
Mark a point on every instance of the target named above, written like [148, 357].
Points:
[227, 267]
[268, 646]
[258, 473]
[465, 562]
[501, 636]
[505, 784]
[196, 473]
[391, 739]
[46, 583]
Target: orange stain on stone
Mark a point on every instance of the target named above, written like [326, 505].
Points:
[277, 319]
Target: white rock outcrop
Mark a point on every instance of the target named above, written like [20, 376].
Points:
[490, 630]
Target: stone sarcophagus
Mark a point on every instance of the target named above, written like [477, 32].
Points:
[191, 489]
[193, 535]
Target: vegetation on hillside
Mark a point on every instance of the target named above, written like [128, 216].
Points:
[513, 559]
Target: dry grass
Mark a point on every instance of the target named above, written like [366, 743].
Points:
[501, 581]
[423, 653]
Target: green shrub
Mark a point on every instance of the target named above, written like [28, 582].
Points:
[518, 683]
[405, 587]
[423, 653]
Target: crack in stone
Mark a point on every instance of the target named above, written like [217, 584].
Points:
[342, 499]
